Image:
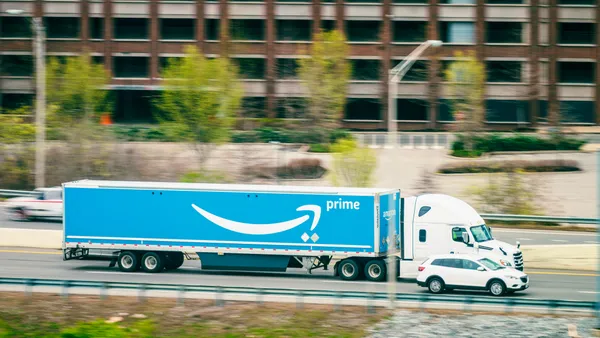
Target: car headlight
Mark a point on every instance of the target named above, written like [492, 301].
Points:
[511, 277]
[505, 263]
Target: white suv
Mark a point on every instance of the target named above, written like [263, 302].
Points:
[475, 272]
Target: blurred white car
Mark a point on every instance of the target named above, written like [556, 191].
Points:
[47, 203]
[469, 271]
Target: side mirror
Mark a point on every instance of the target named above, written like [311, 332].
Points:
[481, 268]
[465, 238]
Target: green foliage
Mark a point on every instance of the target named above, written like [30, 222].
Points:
[325, 76]
[319, 148]
[205, 177]
[509, 166]
[16, 167]
[509, 193]
[486, 143]
[201, 97]
[14, 127]
[266, 134]
[352, 165]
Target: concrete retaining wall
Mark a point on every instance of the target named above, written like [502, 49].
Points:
[30, 238]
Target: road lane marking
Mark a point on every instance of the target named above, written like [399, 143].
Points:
[591, 242]
[116, 273]
[562, 273]
[524, 239]
[560, 240]
[32, 252]
[594, 292]
[547, 232]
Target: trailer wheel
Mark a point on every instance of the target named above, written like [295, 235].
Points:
[348, 269]
[152, 262]
[128, 261]
[174, 260]
[375, 270]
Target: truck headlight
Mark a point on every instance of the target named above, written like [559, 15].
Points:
[505, 263]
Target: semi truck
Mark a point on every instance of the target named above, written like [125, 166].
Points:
[155, 226]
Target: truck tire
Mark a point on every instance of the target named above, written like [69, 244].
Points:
[375, 270]
[348, 269]
[128, 261]
[173, 260]
[152, 262]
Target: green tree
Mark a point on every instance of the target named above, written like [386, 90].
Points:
[466, 84]
[325, 75]
[201, 98]
[16, 153]
[353, 166]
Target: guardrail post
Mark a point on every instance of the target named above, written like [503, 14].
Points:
[29, 287]
[65, 289]
[299, 300]
[142, 293]
[370, 306]
[509, 305]
[467, 304]
[336, 301]
[103, 291]
[552, 305]
[259, 297]
[219, 297]
[422, 301]
[181, 296]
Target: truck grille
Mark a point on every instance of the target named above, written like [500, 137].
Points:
[524, 279]
[518, 256]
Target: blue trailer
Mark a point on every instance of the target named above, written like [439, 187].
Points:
[153, 226]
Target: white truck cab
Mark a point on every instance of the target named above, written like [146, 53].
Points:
[434, 224]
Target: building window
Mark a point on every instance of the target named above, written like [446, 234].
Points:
[458, 2]
[363, 31]
[576, 72]
[211, 29]
[365, 70]
[294, 30]
[15, 27]
[328, 25]
[291, 107]
[97, 60]
[16, 65]
[177, 29]
[577, 111]
[445, 110]
[253, 107]
[363, 1]
[409, 1]
[165, 61]
[133, 106]
[131, 66]
[61, 28]
[418, 72]
[247, 29]
[457, 32]
[131, 28]
[366, 109]
[287, 68]
[504, 32]
[503, 71]
[504, 2]
[411, 109]
[507, 111]
[577, 2]
[579, 33]
[11, 101]
[96, 28]
[251, 68]
[409, 31]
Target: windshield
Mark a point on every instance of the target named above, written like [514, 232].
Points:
[481, 233]
[490, 264]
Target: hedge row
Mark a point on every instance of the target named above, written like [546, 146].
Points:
[509, 166]
[486, 143]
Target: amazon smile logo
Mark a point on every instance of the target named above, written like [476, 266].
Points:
[267, 228]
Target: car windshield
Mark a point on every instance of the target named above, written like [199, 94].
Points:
[490, 264]
[481, 233]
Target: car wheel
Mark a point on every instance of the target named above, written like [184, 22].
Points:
[375, 270]
[128, 261]
[348, 269]
[435, 285]
[152, 262]
[497, 288]
[19, 214]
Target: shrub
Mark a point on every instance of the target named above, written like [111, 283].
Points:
[205, 177]
[509, 166]
[245, 137]
[319, 148]
[494, 143]
[304, 168]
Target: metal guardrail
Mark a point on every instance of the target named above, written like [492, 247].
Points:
[16, 193]
[539, 219]
[333, 295]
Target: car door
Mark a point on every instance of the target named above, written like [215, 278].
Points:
[470, 276]
[451, 270]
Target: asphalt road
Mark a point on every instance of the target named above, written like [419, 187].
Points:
[526, 237]
[45, 264]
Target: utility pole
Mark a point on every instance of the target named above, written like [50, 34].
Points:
[40, 104]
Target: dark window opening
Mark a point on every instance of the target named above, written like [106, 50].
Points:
[503, 71]
[15, 27]
[131, 28]
[409, 31]
[581, 33]
[457, 234]
[417, 72]
[165, 62]
[424, 210]
[577, 2]
[177, 29]
[504, 32]
[291, 107]
[253, 107]
[412, 109]
[445, 110]
[410, 1]
[12, 101]
[294, 30]
[98, 60]
[363, 109]
[16, 65]
[458, 2]
[133, 106]
[247, 29]
[576, 72]
[97, 28]
[131, 66]
[457, 32]
[287, 68]
[507, 111]
[251, 68]
[363, 31]
[422, 236]
[61, 28]
[504, 2]
[328, 25]
[364, 1]
[577, 111]
[211, 29]
[365, 70]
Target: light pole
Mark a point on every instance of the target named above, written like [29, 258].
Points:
[40, 98]
[395, 76]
